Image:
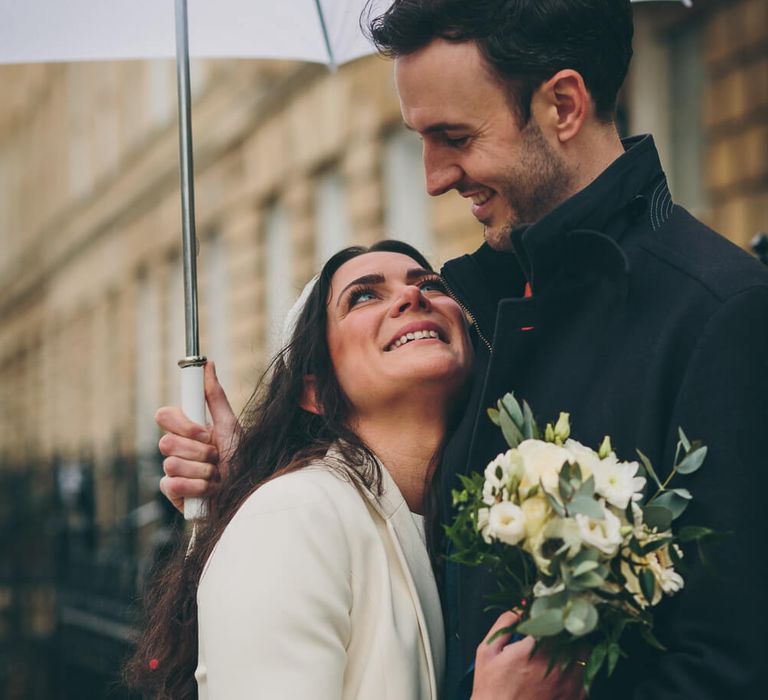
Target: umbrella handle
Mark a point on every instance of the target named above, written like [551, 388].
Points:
[193, 405]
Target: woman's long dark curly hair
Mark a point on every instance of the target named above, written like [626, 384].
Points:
[278, 436]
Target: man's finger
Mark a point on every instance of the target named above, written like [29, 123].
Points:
[218, 403]
[176, 446]
[188, 469]
[172, 420]
[176, 489]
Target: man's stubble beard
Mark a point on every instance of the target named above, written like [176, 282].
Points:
[536, 183]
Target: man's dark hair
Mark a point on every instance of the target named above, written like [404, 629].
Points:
[525, 42]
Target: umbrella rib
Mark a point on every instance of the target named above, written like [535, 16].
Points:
[326, 38]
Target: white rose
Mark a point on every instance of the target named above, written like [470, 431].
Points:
[604, 535]
[483, 516]
[542, 462]
[506, 522]
[536, 510]
[587, 459]
[616, 481]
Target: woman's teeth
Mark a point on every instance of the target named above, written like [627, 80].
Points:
[416, 335]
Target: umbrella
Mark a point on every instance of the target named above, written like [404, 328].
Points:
[323, 31]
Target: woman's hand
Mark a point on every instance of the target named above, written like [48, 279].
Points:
[196, 456]
[505, 671]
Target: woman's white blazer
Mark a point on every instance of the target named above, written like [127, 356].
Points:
[320, 591]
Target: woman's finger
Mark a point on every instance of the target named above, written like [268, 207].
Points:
[506, 619]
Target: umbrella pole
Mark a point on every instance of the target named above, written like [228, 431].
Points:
[192, 366]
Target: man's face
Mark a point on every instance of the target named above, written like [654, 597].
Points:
[473, 142]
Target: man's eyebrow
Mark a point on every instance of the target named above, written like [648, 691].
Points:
[415, 273]
[440, 126]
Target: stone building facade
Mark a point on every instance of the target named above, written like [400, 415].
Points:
[292, 163]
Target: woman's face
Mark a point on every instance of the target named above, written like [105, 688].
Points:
[394, 331]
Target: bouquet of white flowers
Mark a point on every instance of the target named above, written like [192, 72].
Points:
[574, 547]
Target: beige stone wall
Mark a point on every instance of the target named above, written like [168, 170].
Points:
[736, 109]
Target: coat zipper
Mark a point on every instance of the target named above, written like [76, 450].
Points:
[468, 313]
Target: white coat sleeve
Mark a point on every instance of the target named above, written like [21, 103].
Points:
[274, 601]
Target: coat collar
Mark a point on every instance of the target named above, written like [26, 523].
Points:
[572, 246]
[409, 547]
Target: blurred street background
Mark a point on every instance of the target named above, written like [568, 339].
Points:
[292, 163]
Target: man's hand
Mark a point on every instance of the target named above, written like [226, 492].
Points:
[505, 671]
[196, 456]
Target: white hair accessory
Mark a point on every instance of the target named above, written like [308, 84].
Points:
[292, 317]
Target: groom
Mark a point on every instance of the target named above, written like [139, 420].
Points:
[593, 294]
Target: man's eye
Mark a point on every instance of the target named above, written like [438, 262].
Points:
[457, 141]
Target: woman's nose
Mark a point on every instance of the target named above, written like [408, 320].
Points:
[411, 298]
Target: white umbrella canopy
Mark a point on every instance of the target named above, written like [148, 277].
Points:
[88, 30]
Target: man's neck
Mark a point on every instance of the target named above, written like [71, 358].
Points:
[592, 155]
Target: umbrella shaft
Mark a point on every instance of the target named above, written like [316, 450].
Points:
[189, 240]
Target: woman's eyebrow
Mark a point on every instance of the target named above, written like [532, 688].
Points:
[412, 275]
[374, 278]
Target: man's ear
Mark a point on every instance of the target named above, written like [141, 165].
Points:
[563, 103]
[309, 395]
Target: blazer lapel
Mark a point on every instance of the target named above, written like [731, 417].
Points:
[418, 573]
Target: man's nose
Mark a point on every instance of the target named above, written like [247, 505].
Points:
[411, 298]
[441, 173]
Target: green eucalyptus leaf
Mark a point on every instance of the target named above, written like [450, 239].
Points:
[647, 584]
[691, 533]
[647, 634]
[658, 517]
[587, 488]
[585, 505]
[649, 468]
[511, 432]
[510, 404]
[493, 414]
[581, 618]
[693, 460]
[594, 664]
[673, 501]
[592, 579]
[684, 441]
[556, 505]
[548, 624]
[530, 429]
[583, 567]
[614, 652]
[564, 484]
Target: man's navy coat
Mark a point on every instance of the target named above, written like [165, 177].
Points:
[642, 320]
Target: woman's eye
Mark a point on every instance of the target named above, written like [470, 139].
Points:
[360, 295]
[434, 285]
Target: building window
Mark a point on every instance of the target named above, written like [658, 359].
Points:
[406, 204]
[279, 290]
[332, 221]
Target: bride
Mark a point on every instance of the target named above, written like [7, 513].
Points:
[310, 577]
